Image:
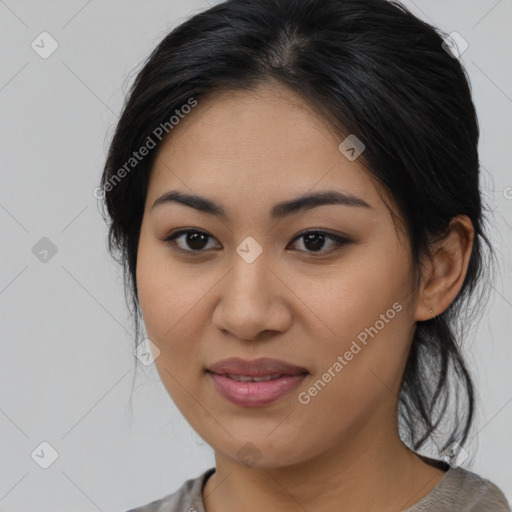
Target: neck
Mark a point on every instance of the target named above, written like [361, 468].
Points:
[374, 471]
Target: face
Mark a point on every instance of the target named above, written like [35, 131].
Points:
[253, 285]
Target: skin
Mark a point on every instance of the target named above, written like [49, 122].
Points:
[295, 302]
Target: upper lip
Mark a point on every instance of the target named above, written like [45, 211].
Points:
[255, 368]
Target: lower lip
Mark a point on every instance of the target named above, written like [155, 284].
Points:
[255, 394]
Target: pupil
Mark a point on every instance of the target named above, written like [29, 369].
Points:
[194, 237]
[312, 237]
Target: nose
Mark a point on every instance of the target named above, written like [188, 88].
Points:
[253, 300]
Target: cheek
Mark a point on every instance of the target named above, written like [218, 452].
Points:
[351, 295]
[172, 303]
[353, 380]
[165, 292]
[363, 316]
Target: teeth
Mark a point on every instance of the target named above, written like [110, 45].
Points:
[245, 378]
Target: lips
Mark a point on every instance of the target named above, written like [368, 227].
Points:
[255, 383]
[258, 370]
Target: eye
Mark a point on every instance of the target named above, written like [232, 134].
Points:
[194, 238]
[314, 241]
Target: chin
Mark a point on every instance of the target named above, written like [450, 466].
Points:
[259, 453]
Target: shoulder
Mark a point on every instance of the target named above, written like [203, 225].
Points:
[464, 491]
[188, 498]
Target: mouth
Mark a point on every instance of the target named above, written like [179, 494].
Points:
[255, 383]
[248, 378]
[263, 367]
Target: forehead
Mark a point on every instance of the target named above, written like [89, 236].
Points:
[261, 146]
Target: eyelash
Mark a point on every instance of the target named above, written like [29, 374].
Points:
[339, 241]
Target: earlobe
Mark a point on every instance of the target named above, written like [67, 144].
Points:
[446, 270]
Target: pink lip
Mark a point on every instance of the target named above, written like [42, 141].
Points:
[255, 394]
[256, 368]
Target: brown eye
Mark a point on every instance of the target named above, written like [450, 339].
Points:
[195, 240]
[314, 241]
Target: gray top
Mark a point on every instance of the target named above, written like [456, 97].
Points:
[459, 490]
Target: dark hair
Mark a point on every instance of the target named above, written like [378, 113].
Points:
[369, 68]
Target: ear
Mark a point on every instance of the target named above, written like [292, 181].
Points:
[444, 275]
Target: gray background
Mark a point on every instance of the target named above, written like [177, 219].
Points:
[66, 360]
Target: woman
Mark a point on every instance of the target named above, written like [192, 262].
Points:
[293, 189]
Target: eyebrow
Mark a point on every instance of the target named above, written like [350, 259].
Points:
[278, 211]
